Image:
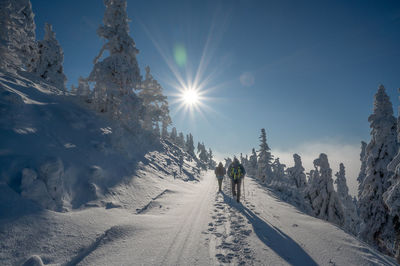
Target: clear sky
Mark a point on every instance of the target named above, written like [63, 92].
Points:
[306, 71]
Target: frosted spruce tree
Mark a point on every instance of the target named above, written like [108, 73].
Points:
[202, 153]
[189, 145]
[278, 170]
[18, 47]
[181, 140]
[252, 169]
[296, 174]
[50, 61]
[376, 227]
[392, 199]
[211, 163]
[154, 101]
[165, 120]
[174, 135]
[361, 175]
[351, 217]
[116, 76]
[264, 159]
[322, 195]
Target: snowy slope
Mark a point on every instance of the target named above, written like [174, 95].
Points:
[74, 155]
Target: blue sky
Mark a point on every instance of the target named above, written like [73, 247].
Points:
[309, 68]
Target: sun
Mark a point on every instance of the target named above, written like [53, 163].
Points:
[190, 97]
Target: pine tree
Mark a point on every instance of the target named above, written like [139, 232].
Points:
[117, 75]
[202, 152]
[264, 159]
[51, 56]
[190, 145]
[155, 103]
[228, 162]
[174, 135]
[181, 140]
[252, 163]
[321, 194]
[296, 173]
[361, 175]
[278, 170]
[165, 120]
[392, 199]
[211, 163]
[18, 47]
[379, 152]
[351, 218]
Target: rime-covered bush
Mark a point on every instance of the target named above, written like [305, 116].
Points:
[321, 194]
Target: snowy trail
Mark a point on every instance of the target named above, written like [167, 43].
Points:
[187, 224]
[199, 226]
[174, 234]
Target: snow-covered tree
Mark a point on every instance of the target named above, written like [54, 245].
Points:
[296, 173]
[202, 153]
[174, 135]
[165, 120]
[181, 140]
[351, 217]
[228, 162]
[361, 175]
[117, 75]
[278, 170]
[83, 89]
[211, 163]
[190, 145]
[18, 47]
[49, 65]
[155, 103]
[264, 159]
[392, 199]
[252, 169]
[322, 195]
[376, 228]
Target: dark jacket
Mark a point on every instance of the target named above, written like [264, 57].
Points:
[220, 170]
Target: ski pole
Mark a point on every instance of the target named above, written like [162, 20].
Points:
[244, 192]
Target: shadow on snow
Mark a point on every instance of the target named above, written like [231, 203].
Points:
[275, 239]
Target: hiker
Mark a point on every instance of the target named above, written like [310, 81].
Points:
[219, 173]
[236, 172]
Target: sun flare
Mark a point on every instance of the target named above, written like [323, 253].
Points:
[190, 97]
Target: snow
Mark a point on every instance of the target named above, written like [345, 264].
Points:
[184, 223]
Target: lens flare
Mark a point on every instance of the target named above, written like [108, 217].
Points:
[180, 55]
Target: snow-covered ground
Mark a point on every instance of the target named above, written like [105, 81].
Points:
[186, 224]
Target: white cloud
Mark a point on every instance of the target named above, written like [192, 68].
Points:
[348, 154]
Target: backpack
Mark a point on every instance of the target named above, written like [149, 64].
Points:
[236, 172]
